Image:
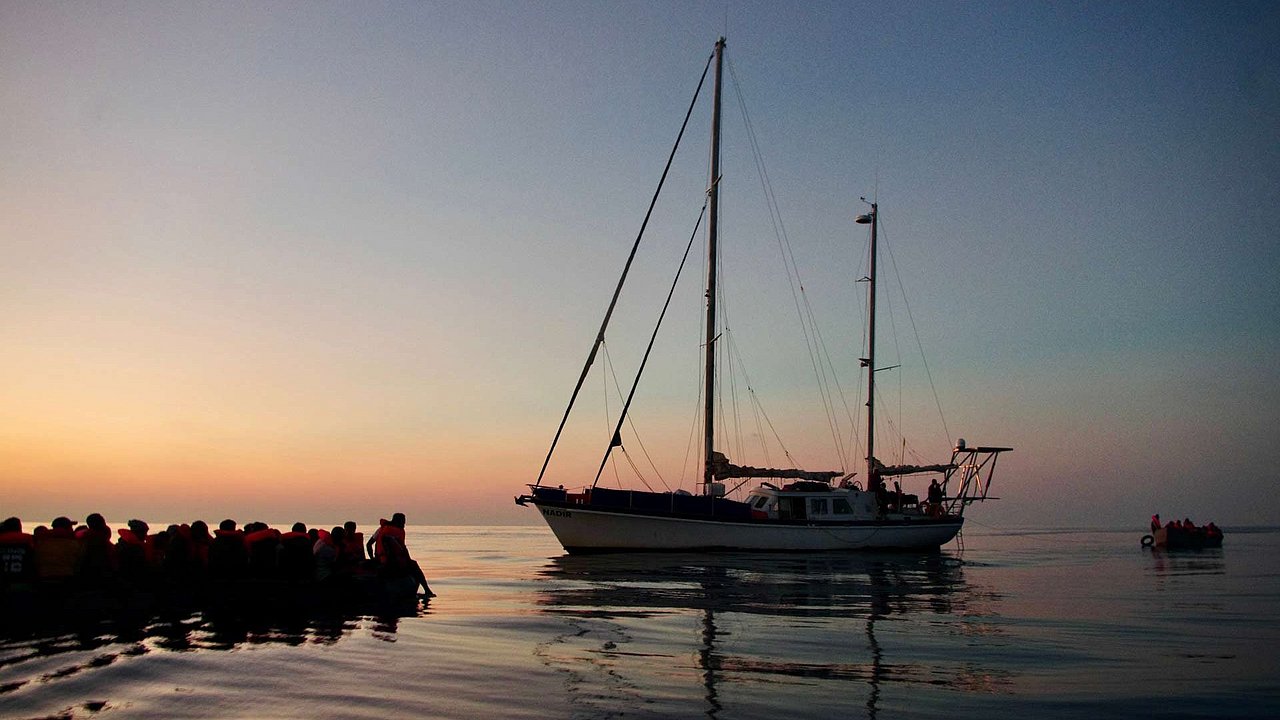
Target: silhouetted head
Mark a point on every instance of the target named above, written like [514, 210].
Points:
[313, 533]
[95, 521]
[299, 527]
[61, 523]
[338, 535]
[349, 526]
[12, 524]
[139, 527]
[200, 529]
[398, 520]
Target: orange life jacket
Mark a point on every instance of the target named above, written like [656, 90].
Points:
[57, 554]
[386, 529]
[355, 546]
[260, 535]
[17, 559]
[15, 539]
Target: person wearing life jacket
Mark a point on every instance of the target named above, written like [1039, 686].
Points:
[131, 551]
[327, 553]
[262, 543]
[353, 543]
[1155, 522]
[57, 553]
[17, 557]
[99, 564]
[393, 554]
[228, 555]
[295, 559]
[175, 554]
[386, 528]
[200, 542]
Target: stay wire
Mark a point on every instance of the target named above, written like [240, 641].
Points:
[919, 345]
[788, 257]
[616, 438]
[595, 347]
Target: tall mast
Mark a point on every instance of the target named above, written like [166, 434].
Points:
[713, 228]
[869, 362]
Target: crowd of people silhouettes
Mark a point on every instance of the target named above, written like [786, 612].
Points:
[89, 556]
[1209, 530]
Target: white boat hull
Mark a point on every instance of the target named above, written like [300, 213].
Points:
[584, 530]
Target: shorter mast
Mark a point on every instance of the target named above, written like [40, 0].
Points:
[869, 362]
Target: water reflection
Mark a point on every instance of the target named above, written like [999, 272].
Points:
[97, 634]
[1170, 563]
[762, 619]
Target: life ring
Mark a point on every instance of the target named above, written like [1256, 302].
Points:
[1148, 541]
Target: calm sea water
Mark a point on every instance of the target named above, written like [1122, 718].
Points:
[1041, 624]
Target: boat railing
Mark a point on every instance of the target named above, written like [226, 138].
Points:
[969, 480]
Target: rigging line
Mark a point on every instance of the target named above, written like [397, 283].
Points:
[731, 349]
[604, 378]
[919, 345]
[755, 411]
[895, 429]
[828, 401]
[784, 247]
[631, 422]
[591, 357]
[776, 436]
[734, 439]
[652, 338]
[692, 443]
[631, 461]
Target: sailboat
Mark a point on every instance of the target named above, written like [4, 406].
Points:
[791, 509]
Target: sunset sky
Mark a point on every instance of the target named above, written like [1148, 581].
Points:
[328, 260]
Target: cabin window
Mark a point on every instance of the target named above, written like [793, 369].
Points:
[791, 509]
[760, 501]
[817, 506]
[841, 506]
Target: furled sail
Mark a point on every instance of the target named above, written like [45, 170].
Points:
[722, 469]
[883, 470]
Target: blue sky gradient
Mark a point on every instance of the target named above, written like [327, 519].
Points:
[298, 258]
